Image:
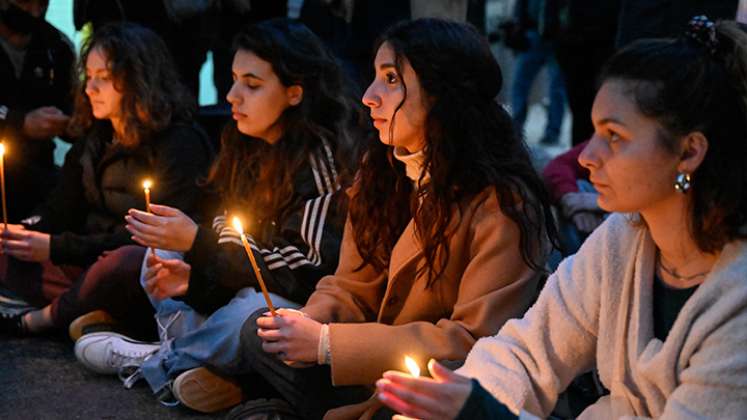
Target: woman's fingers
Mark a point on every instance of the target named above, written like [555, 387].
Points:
[162, 210]
[137, 227]
[443, 374]
[12, 245]
[273, 347]
[269, 335]
[270, 322]
[401, 406]
[144, 217]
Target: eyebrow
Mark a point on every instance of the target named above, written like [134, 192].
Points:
[608, 120]
[251, 75]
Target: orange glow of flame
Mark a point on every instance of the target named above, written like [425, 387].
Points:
[147, 184]
[237, 225]
[412, 366]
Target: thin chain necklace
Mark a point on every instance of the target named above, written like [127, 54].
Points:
[673, 271]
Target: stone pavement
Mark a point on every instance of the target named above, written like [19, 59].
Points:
[40, 379]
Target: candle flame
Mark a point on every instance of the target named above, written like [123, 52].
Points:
[412, 366]
[237, 225]
[147, 184]
[2, 149]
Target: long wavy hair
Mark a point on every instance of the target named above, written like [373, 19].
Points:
[142, 69]
[470, 145]
[257, 176]
[686, 87]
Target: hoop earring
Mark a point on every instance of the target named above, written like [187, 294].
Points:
[682, 182]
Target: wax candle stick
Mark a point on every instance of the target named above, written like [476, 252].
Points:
[2, 186]
[147, 184]
[257, 273]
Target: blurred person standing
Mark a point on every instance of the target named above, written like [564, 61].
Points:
[538, 25]
[36, 63]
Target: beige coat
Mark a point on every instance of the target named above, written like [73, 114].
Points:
[596, 310]
[379, 317]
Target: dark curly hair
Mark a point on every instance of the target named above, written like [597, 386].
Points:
[142, 69]
[470, 145]
[686, 88]
[257, 176]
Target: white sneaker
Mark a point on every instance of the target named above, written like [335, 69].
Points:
[108, 352]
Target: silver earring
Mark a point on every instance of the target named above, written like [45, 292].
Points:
[682, 182]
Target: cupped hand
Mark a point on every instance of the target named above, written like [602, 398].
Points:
[45, 122]
[166, 278]
[439, 398]
[290, 335]
[25, 245]
[165, 228]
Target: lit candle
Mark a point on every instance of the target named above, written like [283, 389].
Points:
[146, 187]
[2, 186]
[412, 366]
[257, 273]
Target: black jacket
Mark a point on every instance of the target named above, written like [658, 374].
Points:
[302, 245]
[101, 181]
[46, 80]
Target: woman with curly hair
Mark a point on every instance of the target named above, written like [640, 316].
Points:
[135, 121]
[284, 167]
[446, 237]
[656, 298]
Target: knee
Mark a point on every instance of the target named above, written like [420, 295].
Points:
[250, 341]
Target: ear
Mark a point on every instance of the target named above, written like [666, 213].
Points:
[694, 149]
[294, 94]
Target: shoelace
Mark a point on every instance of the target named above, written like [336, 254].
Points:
[130, 375]
[120, 358]
[130, 372]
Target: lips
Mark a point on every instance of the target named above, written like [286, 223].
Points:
[237, 115]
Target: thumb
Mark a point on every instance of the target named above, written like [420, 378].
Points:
[175, 264]
[152, 260]
[162, 210]
[441, 373]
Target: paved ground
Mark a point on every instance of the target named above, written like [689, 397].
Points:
[40, 379]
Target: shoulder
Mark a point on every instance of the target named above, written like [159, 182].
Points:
[54, 38]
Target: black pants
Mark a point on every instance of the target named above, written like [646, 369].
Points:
[308, 390]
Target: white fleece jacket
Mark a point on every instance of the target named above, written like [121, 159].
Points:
[596, 310]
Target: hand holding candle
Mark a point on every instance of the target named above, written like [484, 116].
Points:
[439, 397]
[257, 273]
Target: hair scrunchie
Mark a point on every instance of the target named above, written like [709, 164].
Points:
[703, 31]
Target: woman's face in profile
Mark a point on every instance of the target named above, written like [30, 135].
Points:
[628, 166]
[406, 128]
[258, 98]
[104, 97]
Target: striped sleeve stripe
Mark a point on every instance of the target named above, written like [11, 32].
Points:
[315, 172]
[331, 162]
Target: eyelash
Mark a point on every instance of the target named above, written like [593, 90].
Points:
[391, 78]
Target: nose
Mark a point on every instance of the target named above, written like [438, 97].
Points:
[370, 98]
[90, 87]
[590, 157]
[233, 96]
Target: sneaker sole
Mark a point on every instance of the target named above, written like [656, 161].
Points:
[90, 319]
[206, 392]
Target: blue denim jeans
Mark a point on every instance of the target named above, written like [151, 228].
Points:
[190, 339]
[528, 64]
